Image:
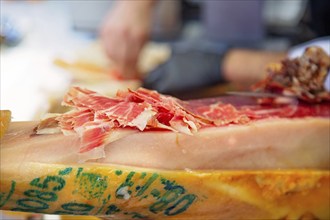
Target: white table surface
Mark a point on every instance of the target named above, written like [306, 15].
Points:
[28, 75]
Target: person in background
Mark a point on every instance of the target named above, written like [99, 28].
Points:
[125, 31]
[227, 53]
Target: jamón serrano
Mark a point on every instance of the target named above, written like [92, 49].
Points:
[229, 133]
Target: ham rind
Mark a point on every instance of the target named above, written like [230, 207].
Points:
[275, 143]
[267, 144]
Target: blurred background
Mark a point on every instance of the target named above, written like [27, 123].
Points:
[48, 46]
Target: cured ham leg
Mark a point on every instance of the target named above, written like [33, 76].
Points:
[146, 129]
[146, 155]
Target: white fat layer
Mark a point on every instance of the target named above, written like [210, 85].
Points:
[142, 119]
[180, 127]
[191, 124]
[68, 132]
[50, 115]
[117, 134]
[56, 130]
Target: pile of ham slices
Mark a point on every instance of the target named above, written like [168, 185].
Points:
[94, 116]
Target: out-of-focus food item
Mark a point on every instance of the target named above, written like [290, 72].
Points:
[302, 77]
[92, 64]
[105, 80]
[86, 71]
[5, 118]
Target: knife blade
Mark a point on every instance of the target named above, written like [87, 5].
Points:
[258, 94]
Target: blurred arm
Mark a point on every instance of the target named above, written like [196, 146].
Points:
[125, 31]
[248, 66]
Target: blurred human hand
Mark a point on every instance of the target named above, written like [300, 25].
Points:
[191, 66]
[124, 32]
